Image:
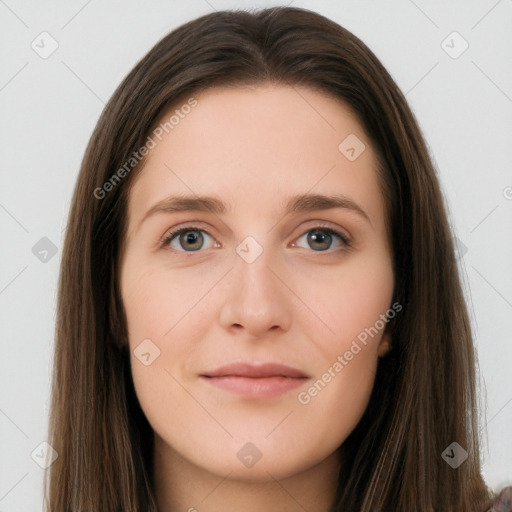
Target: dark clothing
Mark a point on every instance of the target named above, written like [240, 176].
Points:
[504, 501]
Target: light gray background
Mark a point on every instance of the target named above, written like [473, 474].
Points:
[49, 108]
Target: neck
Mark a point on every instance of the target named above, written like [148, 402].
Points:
[182, 486]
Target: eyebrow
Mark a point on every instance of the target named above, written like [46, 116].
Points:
[297, 204]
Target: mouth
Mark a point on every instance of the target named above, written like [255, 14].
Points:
[256, 381]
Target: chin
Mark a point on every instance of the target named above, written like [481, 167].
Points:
[259, 463]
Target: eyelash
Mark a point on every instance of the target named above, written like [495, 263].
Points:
[169, 236]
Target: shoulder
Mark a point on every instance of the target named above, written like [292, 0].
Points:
[503, 501]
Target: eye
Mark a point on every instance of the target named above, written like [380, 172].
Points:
[189, 239]
[193, 239]
[322, 239]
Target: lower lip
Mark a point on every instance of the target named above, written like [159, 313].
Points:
[264, 387]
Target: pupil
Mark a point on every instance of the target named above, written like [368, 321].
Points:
[193, 239]
[319, 237]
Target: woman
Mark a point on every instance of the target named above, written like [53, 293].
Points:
[259, 303]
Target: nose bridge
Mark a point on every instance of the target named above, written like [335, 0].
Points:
[255, 300]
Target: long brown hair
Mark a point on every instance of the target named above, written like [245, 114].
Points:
[424, 396]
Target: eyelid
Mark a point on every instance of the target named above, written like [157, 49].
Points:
[345, 238]
[164, 241]
[312, 224]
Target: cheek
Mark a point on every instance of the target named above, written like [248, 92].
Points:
[335, 402]
[351, 301]
[363, 299]
[167, 319]
[159, 300]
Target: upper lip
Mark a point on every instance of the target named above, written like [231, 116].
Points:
[256, 371]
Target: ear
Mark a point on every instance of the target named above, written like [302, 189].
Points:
[385, 342]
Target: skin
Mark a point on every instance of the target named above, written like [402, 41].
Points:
[253, 148]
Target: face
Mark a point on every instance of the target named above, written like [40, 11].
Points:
[255, 331]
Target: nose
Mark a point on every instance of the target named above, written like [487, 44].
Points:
[256, 300]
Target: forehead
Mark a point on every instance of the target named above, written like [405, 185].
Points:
[255, 146]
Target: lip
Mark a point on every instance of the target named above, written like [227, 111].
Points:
[256, 381]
